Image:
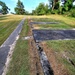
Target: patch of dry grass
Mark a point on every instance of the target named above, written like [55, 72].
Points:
[67, 20]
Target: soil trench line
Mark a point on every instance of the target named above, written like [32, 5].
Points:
[47, 70]
[44, 61]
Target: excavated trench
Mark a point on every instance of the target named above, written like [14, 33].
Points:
[43, 35]
[46, 67]
[44, 61]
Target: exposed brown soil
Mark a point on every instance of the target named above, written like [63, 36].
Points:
[35, 66]
[36, 27]
[57, 67]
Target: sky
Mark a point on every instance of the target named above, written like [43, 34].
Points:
[28, 4]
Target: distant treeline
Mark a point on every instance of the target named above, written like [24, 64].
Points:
[65, 7]
[56, 7]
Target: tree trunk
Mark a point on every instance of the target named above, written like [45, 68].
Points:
[54, 3]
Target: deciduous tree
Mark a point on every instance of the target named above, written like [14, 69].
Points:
[19, 9]
[4, 9]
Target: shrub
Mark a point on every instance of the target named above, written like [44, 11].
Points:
[72, 12]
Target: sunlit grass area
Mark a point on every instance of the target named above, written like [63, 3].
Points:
[64, 50]
[19, 64]
[7, 25]
[65, 19]
[58, 24]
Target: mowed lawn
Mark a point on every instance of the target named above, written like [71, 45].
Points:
[65, 53]
[64, 50]
[7, 24]
[19, 64]
[59, 24]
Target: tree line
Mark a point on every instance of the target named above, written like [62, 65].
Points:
[54, 7]
[4, 9]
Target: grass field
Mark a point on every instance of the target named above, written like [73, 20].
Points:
[59, 25]
[7, 25]
[19, 64]
[63, 49]
[65, 19]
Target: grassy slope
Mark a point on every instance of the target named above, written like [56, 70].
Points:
[66, 47]
[60, 25]
[7, 25]
[65, 19]
[19, 64]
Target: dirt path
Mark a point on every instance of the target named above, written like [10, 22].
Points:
[35, 65]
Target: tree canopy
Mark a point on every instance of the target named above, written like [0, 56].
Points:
[42, 9]
[55, 7]
[19, 9]
[4, 9]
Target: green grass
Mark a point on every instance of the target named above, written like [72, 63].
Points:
[60, 25]
[20, 64]
[7, 25]
[66, 47]
[61, 47]
[55, 26]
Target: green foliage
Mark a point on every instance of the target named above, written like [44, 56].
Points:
[19, 9]
[72, 12]
[42, 9]
[68, 5]
[54, 7]
[4, 9]
[66, 8]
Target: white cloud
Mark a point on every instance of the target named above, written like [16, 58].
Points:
[46, 2]
[74, 3]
